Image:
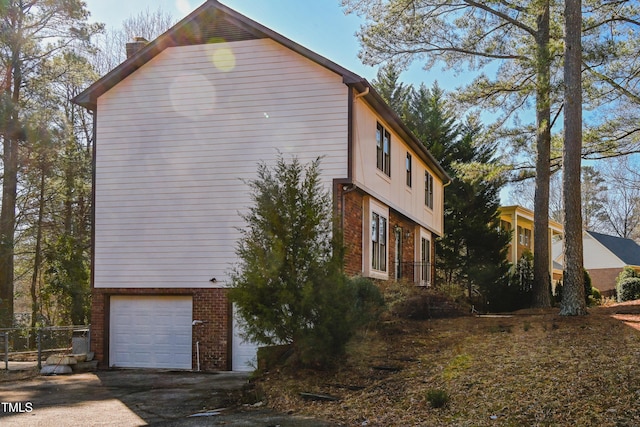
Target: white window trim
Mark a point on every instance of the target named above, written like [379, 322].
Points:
[429, 190]
[373, 206]
[422, 234]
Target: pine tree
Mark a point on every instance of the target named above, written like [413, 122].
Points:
[394, 92]
[288, 285]
[472, 251]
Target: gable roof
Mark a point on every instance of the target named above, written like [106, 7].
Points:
[213, 22]
[625, 249]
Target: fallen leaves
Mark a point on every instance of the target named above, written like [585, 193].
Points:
[528, 369]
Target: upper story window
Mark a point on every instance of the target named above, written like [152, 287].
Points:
[408, 168]
[383, 149]
[428, 190]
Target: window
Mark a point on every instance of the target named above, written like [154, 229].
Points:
[428, 189]
[408, 167]
[524, 236]
[378, 242]
[425, 262]
[383, 150]
[398, 247]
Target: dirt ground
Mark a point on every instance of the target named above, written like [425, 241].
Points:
[529, 368]
[133, 398]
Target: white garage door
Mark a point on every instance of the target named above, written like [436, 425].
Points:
[244, 353]
[150, 332]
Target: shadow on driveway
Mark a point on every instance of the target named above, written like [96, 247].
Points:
[133, 398]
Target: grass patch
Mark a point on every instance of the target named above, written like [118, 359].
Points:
[457, 366]
[437, 398]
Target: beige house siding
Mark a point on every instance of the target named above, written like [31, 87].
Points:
[176, 139]
[393, 189]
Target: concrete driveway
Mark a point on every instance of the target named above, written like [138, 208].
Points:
[134, 398]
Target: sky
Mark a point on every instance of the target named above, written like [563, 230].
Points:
[319, 25]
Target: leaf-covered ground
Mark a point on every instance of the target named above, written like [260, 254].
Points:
[527, 369]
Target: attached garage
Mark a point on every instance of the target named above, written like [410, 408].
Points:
[150, 331]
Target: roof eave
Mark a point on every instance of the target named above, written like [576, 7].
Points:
[379, 104]
[88, 98]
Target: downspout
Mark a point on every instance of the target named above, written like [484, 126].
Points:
[361, 94]
[433, 271]
[92, 260]
[347, 186]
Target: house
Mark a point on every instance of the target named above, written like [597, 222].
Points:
[519, 220]
[179, 128]
[606, 256]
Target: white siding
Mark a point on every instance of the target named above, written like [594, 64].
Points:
[597, 256]
[393, 190]
[177, 137]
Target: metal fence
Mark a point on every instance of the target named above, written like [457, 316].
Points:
[417, 272]
[36, 344]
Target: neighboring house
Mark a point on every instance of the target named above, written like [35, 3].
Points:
[179, 128]
[519, 220]
[606, 256]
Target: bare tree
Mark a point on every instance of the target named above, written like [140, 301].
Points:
[619, 213]
[593, 192]
[111, 46]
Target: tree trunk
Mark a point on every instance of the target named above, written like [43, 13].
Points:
[7, 228]
[38, 251]
[573, 298]
[541, 279]
[12, 132]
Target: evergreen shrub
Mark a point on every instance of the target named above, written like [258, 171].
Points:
[629, 289]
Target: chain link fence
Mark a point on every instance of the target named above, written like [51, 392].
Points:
[36, 344]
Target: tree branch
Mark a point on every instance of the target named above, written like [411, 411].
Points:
[501, 15]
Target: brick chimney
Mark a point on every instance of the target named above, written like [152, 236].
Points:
[134, 46]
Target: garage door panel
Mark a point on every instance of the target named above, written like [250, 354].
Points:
[151, 332]
[243, 351]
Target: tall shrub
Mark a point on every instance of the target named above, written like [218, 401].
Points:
[288, 285]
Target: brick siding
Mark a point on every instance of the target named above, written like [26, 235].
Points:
[352, 230]
[604, 279]
[352, 225]
[408, 251]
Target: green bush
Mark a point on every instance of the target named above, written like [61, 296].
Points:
[628, 289]
[515, 291]
[626, 273]
[587, 287]
[624, 285]
[438, 398]
[367, 299]
[557, 297]
[596, 297]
